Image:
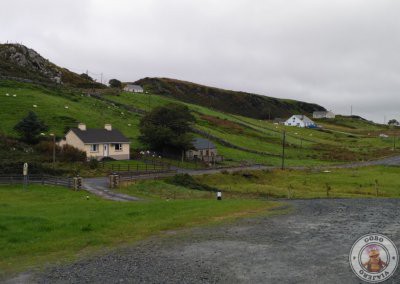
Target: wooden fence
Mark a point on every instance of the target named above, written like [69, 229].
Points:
[131, 176]
[37, 179]
[145, 168]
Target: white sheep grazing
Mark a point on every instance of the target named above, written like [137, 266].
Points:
[66, 107]
[34, 105]
[7, 95]
[14, 95]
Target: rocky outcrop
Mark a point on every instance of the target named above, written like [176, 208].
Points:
[19, 61]
[28, 59]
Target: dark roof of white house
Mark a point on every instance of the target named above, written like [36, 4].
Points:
[92, 135]
[201, 144]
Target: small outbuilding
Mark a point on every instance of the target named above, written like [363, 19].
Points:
[323, 114]
[203, 149]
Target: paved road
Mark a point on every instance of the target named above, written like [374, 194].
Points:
[99, 186]
[309, 245]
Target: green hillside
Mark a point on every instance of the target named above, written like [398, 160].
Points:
[241, 103]
[242, 140]
[305, 146]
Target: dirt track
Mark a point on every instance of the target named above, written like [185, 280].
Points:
[309, 245]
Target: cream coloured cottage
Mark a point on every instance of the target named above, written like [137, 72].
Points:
[98, 143]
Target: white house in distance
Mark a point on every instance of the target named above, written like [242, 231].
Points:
[300, 120]
[98, 143]
[323, 114]
[133, 88]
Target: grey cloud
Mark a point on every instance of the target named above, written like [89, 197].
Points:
[335, 53]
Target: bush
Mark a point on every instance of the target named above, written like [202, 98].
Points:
[66, 153]
[93, 163]
[105, 159]
[71, 154]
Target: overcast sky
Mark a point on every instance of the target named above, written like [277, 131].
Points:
[335, 53]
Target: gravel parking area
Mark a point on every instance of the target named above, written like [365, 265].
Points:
[309, 245]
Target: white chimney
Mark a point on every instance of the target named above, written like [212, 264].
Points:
[82, 126]
[108, 127]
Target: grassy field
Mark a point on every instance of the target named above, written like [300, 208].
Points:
[51, 224]
[361, 182]
[341, 140]
[60, 109]
[344, 139]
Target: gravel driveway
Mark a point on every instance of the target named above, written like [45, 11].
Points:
[309, 245]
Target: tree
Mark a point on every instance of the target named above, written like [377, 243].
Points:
[167, 128]
[114, 83]
[393, 122]
[30, 127]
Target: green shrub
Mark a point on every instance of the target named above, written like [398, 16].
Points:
[93, 163]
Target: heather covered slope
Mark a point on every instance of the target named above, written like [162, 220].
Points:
[241, 103]
[24, 63]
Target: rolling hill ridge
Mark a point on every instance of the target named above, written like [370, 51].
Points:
[240, 103]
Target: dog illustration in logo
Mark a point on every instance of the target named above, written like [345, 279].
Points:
[375, 263]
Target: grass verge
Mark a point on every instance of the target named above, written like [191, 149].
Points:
[52, 224]
[376, 181]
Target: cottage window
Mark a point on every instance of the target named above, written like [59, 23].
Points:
[118, 147]
[94, 147]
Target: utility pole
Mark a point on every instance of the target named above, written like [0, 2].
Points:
[54, 149]
[394, 142]
[101, 78]
[351, 110]
[283, 149]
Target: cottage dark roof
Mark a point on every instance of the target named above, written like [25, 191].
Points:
[201, 144]
[92, 135]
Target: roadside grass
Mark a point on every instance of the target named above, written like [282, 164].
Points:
[50, 224]
[161, 189]
[340, 183]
